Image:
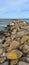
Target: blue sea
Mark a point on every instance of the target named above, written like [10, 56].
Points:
[4, 22]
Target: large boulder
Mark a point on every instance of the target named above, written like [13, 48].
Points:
[14, 54]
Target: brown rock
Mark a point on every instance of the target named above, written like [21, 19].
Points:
[7, 43]
[21, 47]
[27, 59]
[25, 49]
[24, 39]
[14, 44]
[1, 51]
[2, 59]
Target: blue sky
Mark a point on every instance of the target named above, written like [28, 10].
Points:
[14, 8]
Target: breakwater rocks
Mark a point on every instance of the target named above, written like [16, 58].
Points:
[14, 44]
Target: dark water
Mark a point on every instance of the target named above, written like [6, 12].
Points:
[4, 22]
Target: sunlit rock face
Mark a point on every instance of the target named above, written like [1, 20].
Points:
[14, 43]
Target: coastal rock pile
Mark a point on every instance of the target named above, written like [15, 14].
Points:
[14, 43]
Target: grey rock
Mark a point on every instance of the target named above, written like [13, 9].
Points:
[5, 63]
[22, 63]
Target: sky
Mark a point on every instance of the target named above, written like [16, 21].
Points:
[14, 8]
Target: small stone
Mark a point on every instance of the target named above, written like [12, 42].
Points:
[25, 49]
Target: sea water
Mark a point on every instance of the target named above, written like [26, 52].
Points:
[4, 22]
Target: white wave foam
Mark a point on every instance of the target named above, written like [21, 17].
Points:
[3, 25]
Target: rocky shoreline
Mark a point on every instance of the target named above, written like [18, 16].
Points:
[14, 44]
